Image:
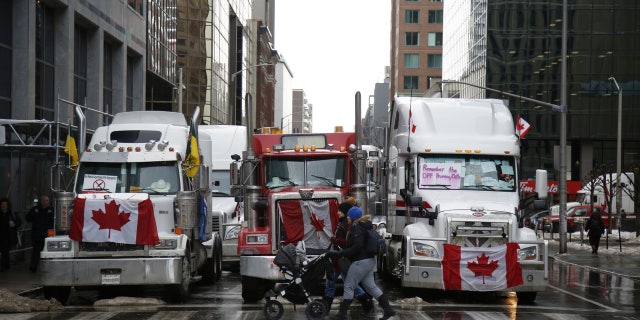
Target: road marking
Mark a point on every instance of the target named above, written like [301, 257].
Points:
[585, 299]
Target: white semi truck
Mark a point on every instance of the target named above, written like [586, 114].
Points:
[137, 211]
[218, 144]
[453, 181]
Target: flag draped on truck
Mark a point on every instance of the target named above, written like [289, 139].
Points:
[192, 158]
[481, 269]
[114, 220]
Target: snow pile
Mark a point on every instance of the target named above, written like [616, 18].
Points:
[13, 303]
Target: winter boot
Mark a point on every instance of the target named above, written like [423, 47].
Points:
[327, 301]
[367, 303]
[344, 309]
[388, 310]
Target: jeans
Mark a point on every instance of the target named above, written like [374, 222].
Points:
[361, 272]
[330, 285]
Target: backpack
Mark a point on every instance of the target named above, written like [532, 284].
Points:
[375, 243]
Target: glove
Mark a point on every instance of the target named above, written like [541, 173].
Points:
[334, 254]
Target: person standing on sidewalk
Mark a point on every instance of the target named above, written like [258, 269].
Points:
[362, 266]
[41, 218]
[9, 222]
[595, 230]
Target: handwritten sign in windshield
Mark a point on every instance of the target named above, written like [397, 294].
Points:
[445, 173]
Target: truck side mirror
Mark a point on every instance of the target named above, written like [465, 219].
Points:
[414, 202]
[539, 204]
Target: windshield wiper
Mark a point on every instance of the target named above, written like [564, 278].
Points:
[444, 186]
[279, 184]
[97, 189]
[327, 180]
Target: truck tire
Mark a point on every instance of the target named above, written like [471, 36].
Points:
[526, 297]
[212, 269]
[218, 265]
[59, 293]
[254, 289]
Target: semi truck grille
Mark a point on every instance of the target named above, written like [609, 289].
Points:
[479, 234]
[108, 246]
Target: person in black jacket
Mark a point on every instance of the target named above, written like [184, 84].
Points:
[9, 222]
[595, 230]
[41, 218]
[362, 266]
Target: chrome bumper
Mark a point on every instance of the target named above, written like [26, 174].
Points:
[260, 267]
[96, 272]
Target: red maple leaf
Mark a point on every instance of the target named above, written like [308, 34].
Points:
[318, 224]
[483, 268]
[112, 219]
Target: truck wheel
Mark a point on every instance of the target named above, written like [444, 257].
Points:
[253, 289]
[218, 265]
[180, 292]
[59, 293]
[526, 297]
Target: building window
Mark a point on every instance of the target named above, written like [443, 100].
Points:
[434, 61]
[45, 67]
[411, 61]
[434, 39]
[137, 5]
[412, 16]
[5, 59]
[412, 38]
[435, 16]
[107, 82]
[80, 65]
[410, 83]
[435, 0]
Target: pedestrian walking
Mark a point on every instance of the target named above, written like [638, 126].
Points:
[362, 265]
[41, 218]
[595, 230]
[338, 241]
[9, 223]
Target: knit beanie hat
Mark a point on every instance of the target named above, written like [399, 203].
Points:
[354, 213]
[344, 207]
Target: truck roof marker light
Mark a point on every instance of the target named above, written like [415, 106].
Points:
[458, 150]
[278, 147]
[267, 150]
[342, 149]
[427, 149]
[112, 144]
[313, 147]
[129, 149]
[171, 149]
[296, 148]
[149, 145]
[98, 146]
[137, 149]
[507, 152]
[121, 149]
[476, 150]
[305, 148]
[467, 150]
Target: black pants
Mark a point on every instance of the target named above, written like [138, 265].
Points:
[37, 245]
[4, 254]
[594, 241]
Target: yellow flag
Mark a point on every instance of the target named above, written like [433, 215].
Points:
[192, 161]
[71, 150]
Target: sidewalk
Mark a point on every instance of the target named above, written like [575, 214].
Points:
[19, 279]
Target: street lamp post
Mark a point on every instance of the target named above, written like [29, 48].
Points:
[618, 160]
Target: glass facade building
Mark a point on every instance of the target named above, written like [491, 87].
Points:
[515, 46]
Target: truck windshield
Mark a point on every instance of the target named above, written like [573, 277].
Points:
[467, 172]
[147, 177]
[313, 171]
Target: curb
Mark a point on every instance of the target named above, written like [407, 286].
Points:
[594, 268]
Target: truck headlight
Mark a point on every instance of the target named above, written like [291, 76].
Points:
[529, 253]
[232, 233]
[59, 245]
[257, 239]
[425, 250]
[167, 244]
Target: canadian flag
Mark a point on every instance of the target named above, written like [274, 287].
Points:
[481, 269]
[313, 221]
[114, 220]
[522, 127]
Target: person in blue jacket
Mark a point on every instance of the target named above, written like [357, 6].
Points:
[362, 266]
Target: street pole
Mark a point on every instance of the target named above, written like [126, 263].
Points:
[618, 162]
[232, 91]
[562, 182]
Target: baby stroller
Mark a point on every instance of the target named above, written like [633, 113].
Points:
[303, 276]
